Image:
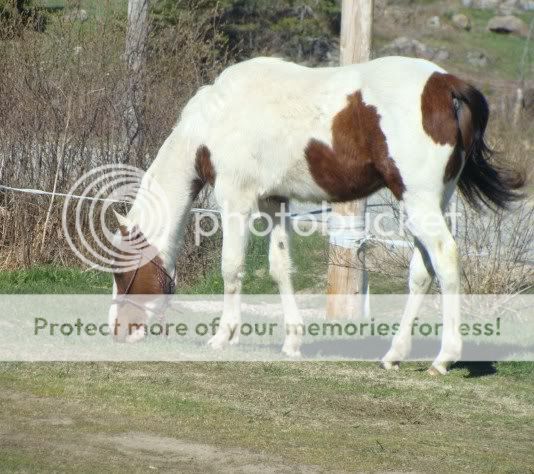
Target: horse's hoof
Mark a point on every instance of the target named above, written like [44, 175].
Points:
[291, 347]
[387, 365]
[135, 336]
[217, 343]
[292, 354]
[437, 369]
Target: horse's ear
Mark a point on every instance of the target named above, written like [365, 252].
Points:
[124, 223]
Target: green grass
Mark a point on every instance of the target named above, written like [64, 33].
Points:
[309, 261]
[346, 416]
[50, 279]
[308, 255]
[93, 7]
[504, 51]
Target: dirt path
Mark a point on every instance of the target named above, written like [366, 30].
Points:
[163, 453]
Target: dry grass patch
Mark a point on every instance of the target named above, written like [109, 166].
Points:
[345, 416]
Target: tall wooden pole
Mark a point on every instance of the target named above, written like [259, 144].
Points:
[346, 271]
[135, 54]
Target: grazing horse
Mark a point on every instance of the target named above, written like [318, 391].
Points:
[268, 131]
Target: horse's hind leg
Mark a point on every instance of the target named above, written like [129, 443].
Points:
[280, 268]
[421, 274]
[427, 223]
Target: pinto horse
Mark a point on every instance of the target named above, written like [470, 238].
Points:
[268, 131]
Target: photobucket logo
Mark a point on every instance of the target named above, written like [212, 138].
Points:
[91, 228]
[381, 222]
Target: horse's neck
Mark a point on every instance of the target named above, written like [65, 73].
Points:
[163, 201]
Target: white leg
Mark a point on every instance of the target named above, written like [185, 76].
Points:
[280, 268]
[421, 274]
[427, 223]
[235, 216]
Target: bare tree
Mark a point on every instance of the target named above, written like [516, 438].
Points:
[135, 55]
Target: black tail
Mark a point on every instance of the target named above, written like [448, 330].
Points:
[481, 180]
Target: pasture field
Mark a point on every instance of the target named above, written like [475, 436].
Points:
[257, 417]
[271, 417]
[265, 417]
[308, 253]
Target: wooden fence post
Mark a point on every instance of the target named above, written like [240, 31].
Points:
[346, 270]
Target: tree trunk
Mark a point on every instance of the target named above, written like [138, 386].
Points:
[135, 55]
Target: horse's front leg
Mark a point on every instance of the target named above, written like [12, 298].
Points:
[235, 228]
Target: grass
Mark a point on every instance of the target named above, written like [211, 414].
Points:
[308, 253]
[245, 417]
[46, 279]
[338, 416]
[93, 7]
[504, 51]
[345, 416]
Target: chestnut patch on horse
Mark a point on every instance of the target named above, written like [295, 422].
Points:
[439, 120]
[358, 162]
[444, 116]
[148, 278]
[204, 170]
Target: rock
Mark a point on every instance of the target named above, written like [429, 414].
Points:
[434, 22]
[304, 11]
[404, 46]
[507, 7]
[508, 24]
[527, 5]
[441, 55]
[399, 16]
[485, 4]
[477, 59]
[316, 49]
[77, 15]
[461, 21]
[309, 49]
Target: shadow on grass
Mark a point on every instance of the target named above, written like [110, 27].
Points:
[476, 369]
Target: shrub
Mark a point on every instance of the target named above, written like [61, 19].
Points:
[61, 108]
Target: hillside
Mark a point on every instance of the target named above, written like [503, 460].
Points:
[307, 31]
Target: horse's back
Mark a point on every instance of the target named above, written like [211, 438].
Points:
[260, 115]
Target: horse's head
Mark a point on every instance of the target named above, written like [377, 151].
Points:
[140, 284]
